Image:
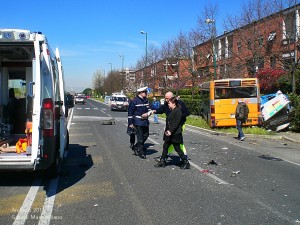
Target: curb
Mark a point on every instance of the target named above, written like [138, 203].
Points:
[274, 137]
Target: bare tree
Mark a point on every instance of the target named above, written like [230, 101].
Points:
[98, 82]
[258, 29]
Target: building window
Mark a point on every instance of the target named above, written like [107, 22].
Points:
[287, 63]
[196, 58]
[249, 43]
[272, 36]
[201, 72]
[260, 40]
[230, 44]
[273, 62]
[239, 47]
[260, 63]
[251, 67]
[222, 70]
[228, 70]
[290, 27]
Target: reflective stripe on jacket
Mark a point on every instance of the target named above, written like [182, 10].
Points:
[136, 109]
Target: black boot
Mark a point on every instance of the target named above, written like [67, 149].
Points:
[135, 150]
[185, 163]
[161, 163]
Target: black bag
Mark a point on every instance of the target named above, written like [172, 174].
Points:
[130, 130]
[243, 112]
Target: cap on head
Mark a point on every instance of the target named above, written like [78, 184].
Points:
[279, 92]
[142, 89]
[240, 100]
[154, 98]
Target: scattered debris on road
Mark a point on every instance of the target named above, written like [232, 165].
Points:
[234, 173]
[212, 162]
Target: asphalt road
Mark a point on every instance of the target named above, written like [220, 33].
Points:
[254, 182]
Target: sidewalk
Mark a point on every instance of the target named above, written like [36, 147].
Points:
[291, 136]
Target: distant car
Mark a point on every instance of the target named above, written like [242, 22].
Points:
[80, 99]
[118, 102]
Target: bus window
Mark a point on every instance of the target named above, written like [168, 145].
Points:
[204, 109]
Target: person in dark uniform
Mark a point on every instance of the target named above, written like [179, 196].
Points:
[131, 131]
[138, 113]
[173, 134]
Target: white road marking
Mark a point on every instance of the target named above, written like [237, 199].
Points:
[28, 201]
[208, 174]
[49, 203]
[51, 193]
[219, 180]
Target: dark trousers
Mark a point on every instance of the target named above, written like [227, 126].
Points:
[142, 133]
[177, 148]
[239, 127]
[132, 139]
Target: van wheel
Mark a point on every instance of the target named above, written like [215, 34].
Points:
[53, 170]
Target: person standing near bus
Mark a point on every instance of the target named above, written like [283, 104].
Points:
[241, 115]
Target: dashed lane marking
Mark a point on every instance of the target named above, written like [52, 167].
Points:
[91, 118]
[81, 134]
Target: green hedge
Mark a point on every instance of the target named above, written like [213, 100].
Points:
[295, 102]
[193, 105]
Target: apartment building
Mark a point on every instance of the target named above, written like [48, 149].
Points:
[165, 74]
[269, 43]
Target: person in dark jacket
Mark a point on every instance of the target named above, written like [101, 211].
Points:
[241, 115]
[138, 113]
[131, 131]
[173, 134]
[165, 109]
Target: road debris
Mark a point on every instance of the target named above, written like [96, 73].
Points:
[234, 173]
[212, 162]
[108, 122]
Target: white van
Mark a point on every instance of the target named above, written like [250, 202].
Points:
[118, 101]
[33, 131]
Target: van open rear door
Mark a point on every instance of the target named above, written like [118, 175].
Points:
[63, 113]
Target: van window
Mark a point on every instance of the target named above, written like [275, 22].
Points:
[19, 87]
[120, 99]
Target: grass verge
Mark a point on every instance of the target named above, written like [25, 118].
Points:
[199, 122]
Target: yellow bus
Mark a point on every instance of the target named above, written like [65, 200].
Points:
[219, 99]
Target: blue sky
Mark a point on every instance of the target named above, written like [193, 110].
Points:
[93, 33]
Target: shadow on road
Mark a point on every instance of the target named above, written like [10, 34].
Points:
[74, 167]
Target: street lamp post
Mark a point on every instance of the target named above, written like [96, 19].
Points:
[122, 75]
[110, 67]
[213, 22]
[146, 61]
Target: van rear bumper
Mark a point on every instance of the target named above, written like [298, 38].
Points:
[16, 166]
